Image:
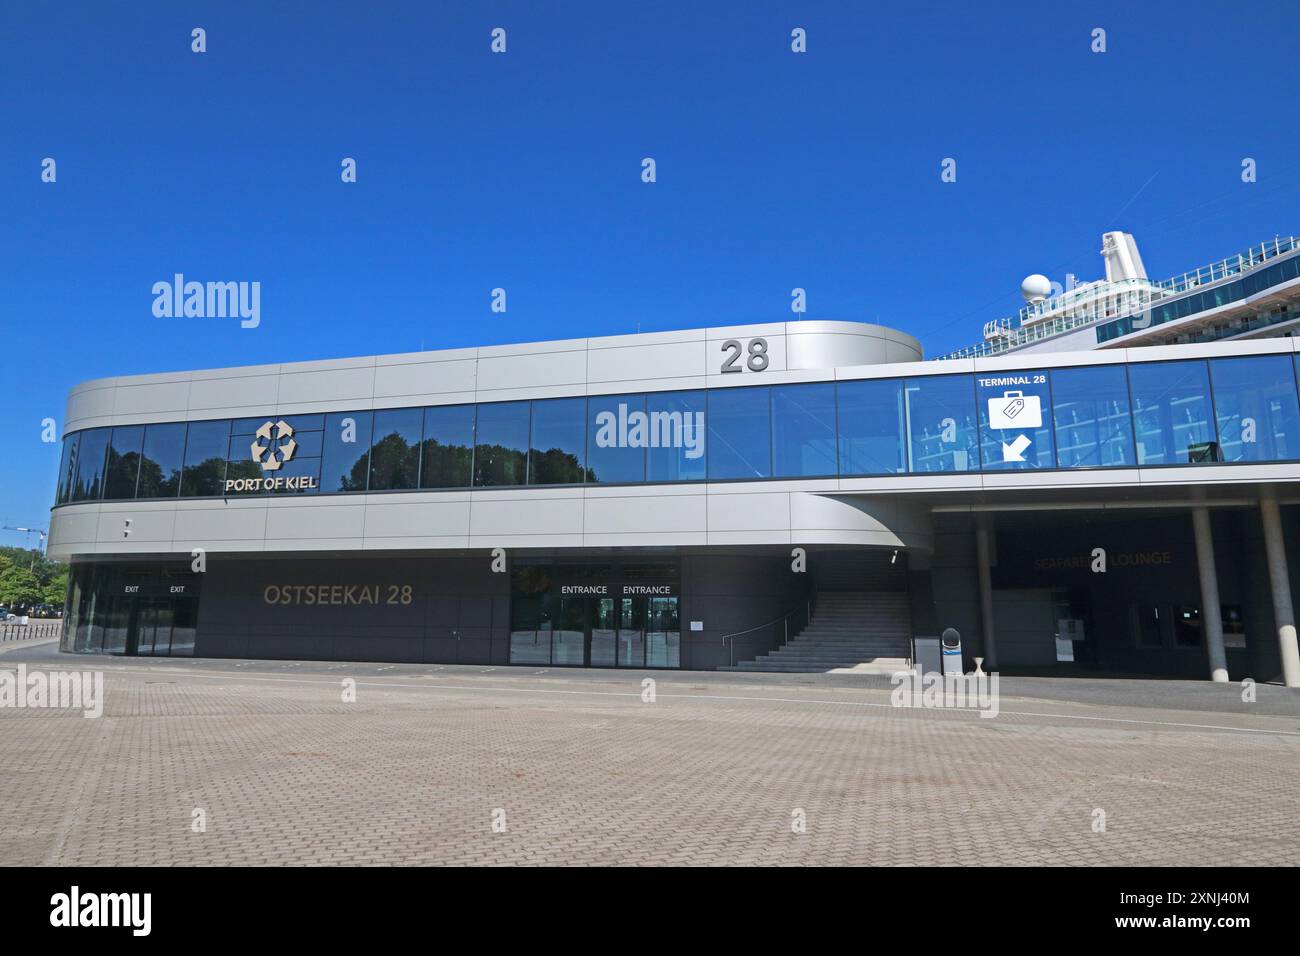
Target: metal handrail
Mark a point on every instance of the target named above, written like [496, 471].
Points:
[1231, 267]
[729, 640]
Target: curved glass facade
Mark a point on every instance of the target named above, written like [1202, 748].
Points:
[1204, 411]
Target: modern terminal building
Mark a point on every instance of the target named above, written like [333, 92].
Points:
[1109, 486]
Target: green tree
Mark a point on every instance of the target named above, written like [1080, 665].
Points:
[56, 589]
[19, 586]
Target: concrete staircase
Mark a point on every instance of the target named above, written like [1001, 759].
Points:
[852, 632]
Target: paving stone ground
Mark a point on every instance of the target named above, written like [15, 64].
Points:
[584, 772]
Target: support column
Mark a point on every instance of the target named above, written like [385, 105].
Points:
[1283, 611]
[1211, 610]
[983, 549]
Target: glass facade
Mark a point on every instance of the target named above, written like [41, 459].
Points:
[448, 455]
[123, 466]
[738, 426]
[557, 449]
[941, 429]
[618, 434]
[1172, 419]
[131, 609]
[676, 451]
[803, 430]
[345, 452]
[67, 468]
[595, 615]
[395, 449]
[1091, 409]
[88, 479]
[871, 427]
[1015, 421]
[501, 444]
[1257, 414]
[160, 466]
[1223, 410]
[206, 446]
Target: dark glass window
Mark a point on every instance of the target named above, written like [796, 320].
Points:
[307, 444]
[1015, 412]
[940, 415]
[1187, 626]
[345, 451]
[300, 423]
[740, 433]
[1148, 626]
[249, 450]
[557, 448]
[871, 427]
[1093, 426]
[88, 483]
[1171, 413]
[123, 461]
[803, 430]
[395, 453]
[618, 434]
[501, 449]
[206, 445]
[676, 422]
[160, 466]
[67, 467]
[448, 447]
[1256, 407]
[297, 468]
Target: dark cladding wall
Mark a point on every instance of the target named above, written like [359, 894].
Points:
[731, 592]
[954, 583]
[1151, 564]
[459, 611]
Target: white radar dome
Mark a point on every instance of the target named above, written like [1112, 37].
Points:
[1036, 288]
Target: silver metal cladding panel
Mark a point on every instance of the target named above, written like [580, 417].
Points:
[887, 511]
[651, 361]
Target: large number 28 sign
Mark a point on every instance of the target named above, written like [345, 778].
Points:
[756, 362]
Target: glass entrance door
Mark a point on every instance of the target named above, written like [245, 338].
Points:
[162, 627]
[569, 638]
[663, 633]
[603, 633]
[631, 632]
[151, 630]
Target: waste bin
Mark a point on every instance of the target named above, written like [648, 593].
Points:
[951, 648]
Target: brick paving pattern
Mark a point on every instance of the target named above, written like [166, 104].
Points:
[586, 773]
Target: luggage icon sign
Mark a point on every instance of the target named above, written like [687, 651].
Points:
[1016, 410]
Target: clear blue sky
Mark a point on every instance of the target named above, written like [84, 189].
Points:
[522, 170]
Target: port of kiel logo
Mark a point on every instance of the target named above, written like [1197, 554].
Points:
[274, 445]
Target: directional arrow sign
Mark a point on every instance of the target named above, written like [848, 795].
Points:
[1016, 450]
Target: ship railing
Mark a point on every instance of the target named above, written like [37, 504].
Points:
[1144, 292]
